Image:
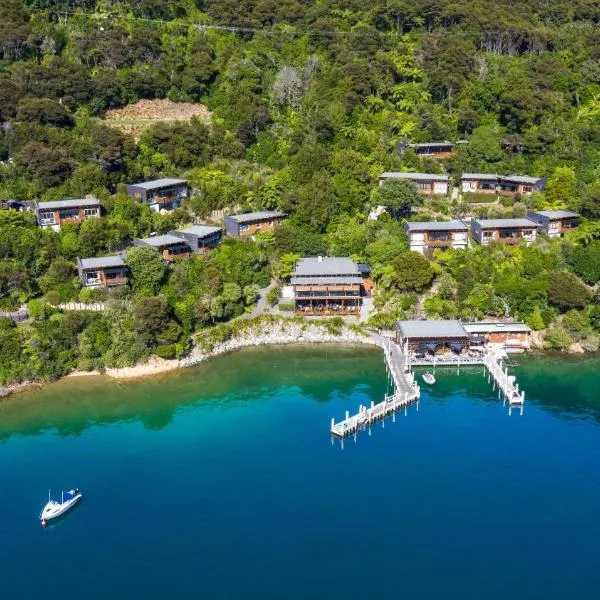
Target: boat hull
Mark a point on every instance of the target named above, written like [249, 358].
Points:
[57, 510]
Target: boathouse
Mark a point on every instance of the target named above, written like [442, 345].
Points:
[327, 285]
[512, 337]
[160, 194]
[555, 222]
[247, 224]
[433, 336]
[425, 236]
[200, 238]
[430, 184]
[170, 246]
[58, 212]
[103, 271]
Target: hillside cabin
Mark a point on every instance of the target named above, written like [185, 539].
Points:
[555, 222]
[503, 231]
[425, 236]
[427, 183]
[200, 238]
[169, 245]
[248, 224]
[327, 285]
[160, 194]
[437, 150]
[479, 183]
[511, 337]
[56, 213]
[434, 337]
[519, 184]
[104, 271]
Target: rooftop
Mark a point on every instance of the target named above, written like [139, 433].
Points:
[493, 327]
[58, 204]
[437, 226]
[557, 214]
[159, 183]
[414, 176]
[501, 223]
[432, 329]
[316, 280]
[519, 178]
[257, 216]
[201, 230]
[326, 266]
[489, 176]
[430, 144]
[163, 240]
[101, 262]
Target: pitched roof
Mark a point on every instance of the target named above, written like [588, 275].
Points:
[519, 179]
[488, 176]
[201, 230]
[163, 240]
[159, 183]
[455, 225]
[315, 280]
[500, 223]
[414, 176]
[491, 327]
[431, 144]
[257, 216]
[326, 266]
[58, 204]
[432, 329]
[557, 214]
[101, 262]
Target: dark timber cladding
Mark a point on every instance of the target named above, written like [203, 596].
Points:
[437, 336]
[107, 271]
[327, 286]
[160, 194]
[248, 224]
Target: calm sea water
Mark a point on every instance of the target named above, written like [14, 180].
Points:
[222, 482]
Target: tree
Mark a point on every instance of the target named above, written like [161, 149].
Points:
[557, 338]
[586, 262]
[413, 271]
[561, 188]
[147, 268]
[152, 321]
[566, 291]
[399, 196]
[44, 111]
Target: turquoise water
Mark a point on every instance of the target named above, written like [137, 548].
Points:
[222, 482]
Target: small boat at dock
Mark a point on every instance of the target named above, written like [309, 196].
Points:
[429, 378]
[54, 509]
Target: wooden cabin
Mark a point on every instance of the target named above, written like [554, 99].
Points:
[200, 238]
[160, 194]
[479, 183]
[427, 183]
[519, 184]
[503, 231]
[512, 337]
[327, 285]
[425, 236]
[104, 271]
[555, 222]
[58, 212]
[170, 246]
[248, 224]
[437, 150]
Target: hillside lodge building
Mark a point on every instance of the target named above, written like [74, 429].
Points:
[57, 213]
[200, 238]
[503, 231]
[326, 285]
[169, 246]
[555, 222]
[488, 183]
[426, 236]
[247, 224]
[437, 150]
[160, 194]
[104, 271]
[427, 183]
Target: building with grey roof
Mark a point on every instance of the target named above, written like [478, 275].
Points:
[248, 224]
[103, 271]
[160, 194]
[200, 238]
[425, 236]
[58, 212]
[519, 184]
[504, 231]
[433, 336]
[511, 336]
[327, 285]
[484, 183]
[555, 222]
[427, 183]
[170, 246]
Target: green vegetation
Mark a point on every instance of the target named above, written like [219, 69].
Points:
[309, 101]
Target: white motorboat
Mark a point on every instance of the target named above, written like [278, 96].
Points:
[429, 378]
[54, 509]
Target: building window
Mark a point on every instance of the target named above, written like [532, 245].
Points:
[47, 218]
[244, 227]
[487, 234]
[90, 212]
[69, 213]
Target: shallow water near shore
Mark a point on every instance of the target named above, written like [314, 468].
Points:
[221, 481]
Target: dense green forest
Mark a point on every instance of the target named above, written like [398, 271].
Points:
[309, 100]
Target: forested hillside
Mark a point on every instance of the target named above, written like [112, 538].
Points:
[309, 101]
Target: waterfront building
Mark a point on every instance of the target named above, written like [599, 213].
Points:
[169, 245]
[327, 285]
[503, 231]
[433, 336]
[425, 236]
[103, 271]
[555, 222]
[160, 194]
[430, 184]
[248, 224]
[200, 238]
[512, 337]
[58, 212]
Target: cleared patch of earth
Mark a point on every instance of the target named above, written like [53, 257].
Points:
[135, 118]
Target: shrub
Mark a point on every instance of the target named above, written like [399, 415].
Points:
[479, 198]
[167, 351]
[286, 305]
[557, 339]
[566, 291]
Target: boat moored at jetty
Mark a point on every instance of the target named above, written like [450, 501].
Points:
[429, 378]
